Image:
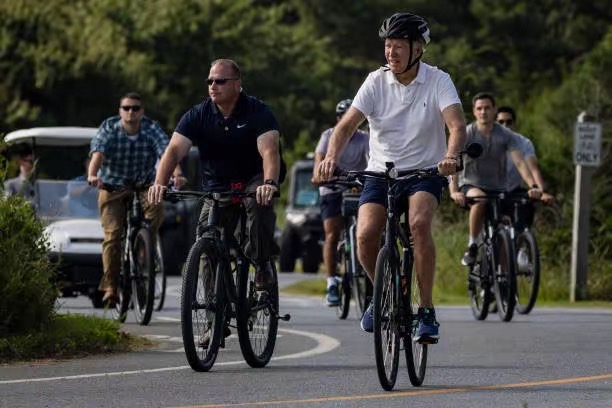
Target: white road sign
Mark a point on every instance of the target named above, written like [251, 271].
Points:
[587, 144]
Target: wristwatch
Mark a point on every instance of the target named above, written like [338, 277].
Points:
[271, 182]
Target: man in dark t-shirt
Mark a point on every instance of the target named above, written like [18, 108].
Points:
[238, 139]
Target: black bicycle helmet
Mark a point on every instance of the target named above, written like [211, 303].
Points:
[343, 106]
[405, 26]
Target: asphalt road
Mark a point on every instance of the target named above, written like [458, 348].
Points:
[550, 358]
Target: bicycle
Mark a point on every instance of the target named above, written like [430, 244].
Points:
[219, 284]
[352, 280]
[494, 266]
[137, 274]
[527, 256]
[396, 293]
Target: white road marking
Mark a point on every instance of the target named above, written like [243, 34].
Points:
[325, 344]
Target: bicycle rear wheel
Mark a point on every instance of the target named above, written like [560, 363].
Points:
[143, 282]
[386, 333]
[504, 278]
[202, 307]
[479, 286]
[160, 278]
[257, 317]
[416, 353]
[343, 284]
[527, 271]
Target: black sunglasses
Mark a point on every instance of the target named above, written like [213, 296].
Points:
[505, 122]
[133, 108]
[219, 81]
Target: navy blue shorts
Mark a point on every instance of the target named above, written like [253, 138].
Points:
[375, 190]
[331, 205]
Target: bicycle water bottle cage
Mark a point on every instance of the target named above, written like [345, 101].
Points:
[237, 187]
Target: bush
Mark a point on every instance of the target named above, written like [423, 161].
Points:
[27, 296]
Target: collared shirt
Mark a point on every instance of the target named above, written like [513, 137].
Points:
[513, 177]
[354, 156]
[488, 171]
[228, 145]
[406, 123]
[129, 161]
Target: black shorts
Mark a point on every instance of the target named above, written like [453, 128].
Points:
[331, 205]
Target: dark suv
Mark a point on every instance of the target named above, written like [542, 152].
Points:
[302, 234]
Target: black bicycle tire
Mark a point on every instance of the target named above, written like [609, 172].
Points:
[189, 295]
[363, 288]
[385, 283]
[504, 286]
[343, 284]
[143, 284]
[479, 288]
[416, 353]
[244, 323]
[160, 276]
[534, 255]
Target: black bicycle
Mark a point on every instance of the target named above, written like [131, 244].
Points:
[160, 277]
[493, 274]
[396, 293]
[527, 256]
[219, 284]
[137, 275]
[352, 280]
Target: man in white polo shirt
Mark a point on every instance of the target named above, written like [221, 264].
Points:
[407, 104]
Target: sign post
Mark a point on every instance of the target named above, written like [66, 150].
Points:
[587, 156]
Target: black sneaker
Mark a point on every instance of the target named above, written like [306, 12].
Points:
[333, 297]
[469, 257]
[427, 330]
[264, 277]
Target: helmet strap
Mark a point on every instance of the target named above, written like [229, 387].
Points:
[413, 63]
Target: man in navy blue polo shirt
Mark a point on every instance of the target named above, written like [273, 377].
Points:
[238, 139]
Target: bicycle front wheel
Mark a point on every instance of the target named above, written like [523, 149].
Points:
[386, 304]
[202, 307]
[504, 278]
[143, 276]
[160, 278]
[416, 353]
[257, 317]
[343, 284]
[527, 271]
[479, 286]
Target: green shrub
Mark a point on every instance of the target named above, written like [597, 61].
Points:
[27, 296]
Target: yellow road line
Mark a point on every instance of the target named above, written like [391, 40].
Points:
[412, 393]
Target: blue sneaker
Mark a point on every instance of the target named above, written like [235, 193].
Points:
[427, 329]
[332, 298]
[367, 320]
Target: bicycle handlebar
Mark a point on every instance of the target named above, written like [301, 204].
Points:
[175, 196]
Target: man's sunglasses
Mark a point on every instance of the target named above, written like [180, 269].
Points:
[219, 81]
[505, 122]
[133, 108]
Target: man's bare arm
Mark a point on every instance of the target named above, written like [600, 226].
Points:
[267, 145]
[177, 149]
[455, 122]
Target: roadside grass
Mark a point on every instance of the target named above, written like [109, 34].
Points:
[70, 336]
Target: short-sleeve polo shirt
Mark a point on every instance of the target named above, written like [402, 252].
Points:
[228, 145]
[405, 121]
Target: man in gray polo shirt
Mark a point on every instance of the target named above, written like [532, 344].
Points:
[487, 172]
[354, 157]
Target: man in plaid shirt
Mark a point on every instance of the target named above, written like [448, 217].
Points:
[124, 153]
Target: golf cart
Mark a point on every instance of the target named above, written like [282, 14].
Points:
[72, 221]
